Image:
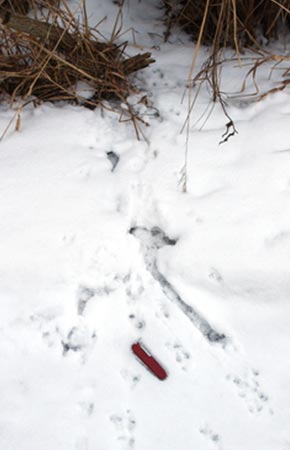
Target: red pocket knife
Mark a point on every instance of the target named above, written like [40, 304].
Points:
[148, 360]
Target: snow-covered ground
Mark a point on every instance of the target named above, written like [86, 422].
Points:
[82, 276]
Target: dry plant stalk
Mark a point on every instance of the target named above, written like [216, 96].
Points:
[229, 23]
[46, 57]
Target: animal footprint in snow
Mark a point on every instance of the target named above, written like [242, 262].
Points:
[79, 339]
[83, 296]
[164, 311]
[114, 159]
[249, 390]
[132, 378]
[134, 287]
[138, 322]
[47, 325]
[124, 425]
[86, 407]
[182, 357]
[212, 436]
[215, 276]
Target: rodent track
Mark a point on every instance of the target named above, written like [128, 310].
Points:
[182, 356]
[78, 338]
[124, 425]
[248, 387]
[214, 437]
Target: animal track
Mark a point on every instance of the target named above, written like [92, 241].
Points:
[249, 390]
[84, 294]
[138, 322]
[132, 378]
[114, 159]
[48, 326]
[79, 339]
[87, 407]
[215, 276]
[214, 437]
[182, 356]
[124, 425]
[134, 286]
[151, 241]
[165, 310]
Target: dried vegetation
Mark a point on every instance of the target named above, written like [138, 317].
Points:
[229, 22]
[46, 54]
[236, 24]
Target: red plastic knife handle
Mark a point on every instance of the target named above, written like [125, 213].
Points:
[149, 361]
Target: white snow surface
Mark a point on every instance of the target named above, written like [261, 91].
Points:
[75, 291]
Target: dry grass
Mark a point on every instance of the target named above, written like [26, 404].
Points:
[238, 24]
[235, 23]
[45, 57]
[24, 6]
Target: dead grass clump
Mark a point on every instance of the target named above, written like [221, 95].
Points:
[24, 6]
[235, 23]
[45, 58]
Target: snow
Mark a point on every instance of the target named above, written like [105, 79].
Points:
[77, 290]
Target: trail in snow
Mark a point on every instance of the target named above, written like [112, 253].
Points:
[240, 376]
[151, 241]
